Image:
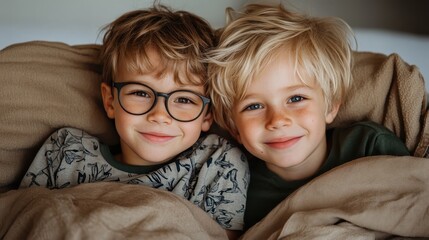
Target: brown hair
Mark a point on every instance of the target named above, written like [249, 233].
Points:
[180, 38]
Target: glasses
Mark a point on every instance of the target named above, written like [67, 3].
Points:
[139, 99]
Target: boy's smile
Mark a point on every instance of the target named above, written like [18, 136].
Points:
[283, 143]
[282, 120]
[156, 137]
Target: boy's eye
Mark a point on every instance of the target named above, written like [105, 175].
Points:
[255, 106]
[140, 94]
[295, 99]
[183, 100]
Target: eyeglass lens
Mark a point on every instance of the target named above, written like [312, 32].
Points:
[139, 99]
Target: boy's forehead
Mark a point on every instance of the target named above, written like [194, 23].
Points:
[153, 65]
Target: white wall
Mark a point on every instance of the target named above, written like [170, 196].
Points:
[379, 25]
[80, 21]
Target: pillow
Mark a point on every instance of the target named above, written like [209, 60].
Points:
[391, 92]
[45, 86]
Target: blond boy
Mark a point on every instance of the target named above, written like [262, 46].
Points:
[277, 79]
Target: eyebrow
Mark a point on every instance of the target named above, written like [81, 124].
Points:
[288, 88]
[190, 86]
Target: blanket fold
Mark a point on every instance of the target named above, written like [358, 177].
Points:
[378, 196]
[103, 211]
[391, 92]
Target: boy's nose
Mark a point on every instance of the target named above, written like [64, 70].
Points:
[278, 119]
[159, 112]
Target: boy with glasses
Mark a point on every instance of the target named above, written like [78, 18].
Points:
[154, 87]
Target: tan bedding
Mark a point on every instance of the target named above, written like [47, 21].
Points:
[47, 85]
[376, 198]
[102, 211]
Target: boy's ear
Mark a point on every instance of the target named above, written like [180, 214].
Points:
[107, 97]
[330, 116]
[207, 122]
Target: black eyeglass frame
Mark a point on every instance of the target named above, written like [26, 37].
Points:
[119, 85]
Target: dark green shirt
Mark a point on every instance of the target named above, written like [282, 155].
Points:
[267, 189]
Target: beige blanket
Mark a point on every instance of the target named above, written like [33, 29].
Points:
[102, 211]
[370, 198]
[388, 91]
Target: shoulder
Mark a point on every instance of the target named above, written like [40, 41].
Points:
[217, 142]
[230, 143]
[366, 128]
[72, 131]
[372, 126]
[213, 138]
[222, 149]
[375, 138]
[72, 136]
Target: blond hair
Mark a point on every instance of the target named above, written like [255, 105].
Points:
[180, 38]
[319, 47]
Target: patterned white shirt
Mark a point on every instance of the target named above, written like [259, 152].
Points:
[213, 174]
